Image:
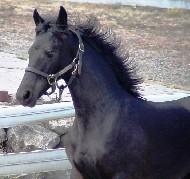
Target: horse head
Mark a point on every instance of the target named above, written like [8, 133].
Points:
[53, 55]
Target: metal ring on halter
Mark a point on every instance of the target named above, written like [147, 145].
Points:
[51, 79]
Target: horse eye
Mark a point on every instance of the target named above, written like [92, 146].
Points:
[49, 54]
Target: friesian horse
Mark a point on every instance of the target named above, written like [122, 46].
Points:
[116, 134]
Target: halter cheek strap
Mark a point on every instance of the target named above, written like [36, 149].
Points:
[52, 79]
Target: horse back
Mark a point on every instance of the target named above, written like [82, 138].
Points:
[167, 127]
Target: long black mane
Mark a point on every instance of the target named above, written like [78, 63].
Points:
[110, 46]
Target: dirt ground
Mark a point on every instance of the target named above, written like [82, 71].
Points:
[158, 40]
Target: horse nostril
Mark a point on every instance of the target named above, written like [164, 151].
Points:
[26, 95]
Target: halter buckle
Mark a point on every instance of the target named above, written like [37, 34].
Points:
[51, 79]
[74, 72]
[81, 47]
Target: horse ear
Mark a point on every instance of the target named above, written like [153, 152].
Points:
[37, 18]
[62, 17]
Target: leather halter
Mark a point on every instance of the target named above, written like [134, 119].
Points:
[76, 65]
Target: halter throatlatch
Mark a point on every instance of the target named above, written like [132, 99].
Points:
[52, 79]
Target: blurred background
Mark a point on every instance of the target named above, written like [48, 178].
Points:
[156, 32]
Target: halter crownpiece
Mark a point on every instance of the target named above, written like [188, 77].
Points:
[76, 65]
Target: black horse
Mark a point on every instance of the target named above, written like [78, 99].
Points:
[116, 134]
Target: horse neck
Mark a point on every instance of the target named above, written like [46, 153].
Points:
[96, 90]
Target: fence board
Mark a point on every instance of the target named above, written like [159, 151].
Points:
[34, 162]
[19, 115]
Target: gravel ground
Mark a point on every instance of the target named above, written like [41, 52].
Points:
[157, 39]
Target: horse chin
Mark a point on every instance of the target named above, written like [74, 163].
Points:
[30, 103]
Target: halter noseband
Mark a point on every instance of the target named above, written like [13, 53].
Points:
[76, 65]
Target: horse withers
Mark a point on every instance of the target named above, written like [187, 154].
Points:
[116, 134]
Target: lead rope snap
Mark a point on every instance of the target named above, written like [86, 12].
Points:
[62, 87]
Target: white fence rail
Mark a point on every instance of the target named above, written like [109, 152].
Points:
[14, 116]
[33, 162]
[36, 161]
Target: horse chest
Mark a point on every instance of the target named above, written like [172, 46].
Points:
[89, 150]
